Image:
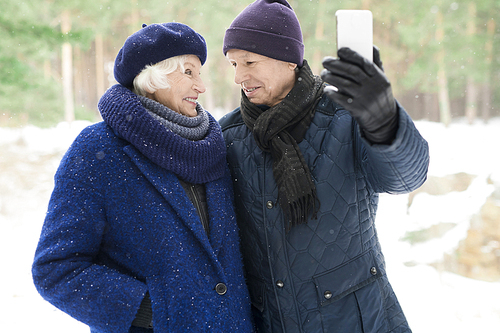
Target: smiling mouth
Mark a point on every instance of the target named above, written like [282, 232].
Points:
[189, 99]
[250, 90]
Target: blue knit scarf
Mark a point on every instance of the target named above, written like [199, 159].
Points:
[197, 161]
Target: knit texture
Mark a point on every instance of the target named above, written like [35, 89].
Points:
[269, 28]
[191, 128]
[194, 161]
[154, 43]
[278, 130]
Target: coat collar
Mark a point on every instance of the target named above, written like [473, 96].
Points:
[170, 188]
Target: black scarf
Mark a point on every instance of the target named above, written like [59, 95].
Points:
[278, 130]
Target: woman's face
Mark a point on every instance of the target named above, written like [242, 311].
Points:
[184, 88]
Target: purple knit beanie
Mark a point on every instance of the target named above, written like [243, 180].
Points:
[154, 43]
[269, 28]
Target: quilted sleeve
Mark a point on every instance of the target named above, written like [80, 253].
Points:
[400, 167]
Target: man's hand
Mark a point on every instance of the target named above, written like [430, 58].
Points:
[363, 89]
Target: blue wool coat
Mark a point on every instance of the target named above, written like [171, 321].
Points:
[327, 275]
[119, 225]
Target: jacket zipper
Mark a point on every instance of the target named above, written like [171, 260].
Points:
[201, 213]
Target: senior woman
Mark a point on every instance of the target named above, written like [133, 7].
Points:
[140, 233]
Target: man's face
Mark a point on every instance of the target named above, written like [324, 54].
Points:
[264, 80]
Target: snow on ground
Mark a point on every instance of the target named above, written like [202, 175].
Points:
[433, 301]
[436, 301]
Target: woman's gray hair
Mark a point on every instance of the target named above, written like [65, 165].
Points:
[154, 77]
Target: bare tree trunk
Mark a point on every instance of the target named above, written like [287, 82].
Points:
[316, 65]
[134, 18]
[47, 70]
[471, 94]
[365, 4]
[430, 104]
[67, 70]
[486, 101]
[208, 97]
[78, 76]
[471, 88]
[486, 90]
[443, 91]
[99, 66]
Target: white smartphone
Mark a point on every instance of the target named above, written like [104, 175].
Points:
[355, 31]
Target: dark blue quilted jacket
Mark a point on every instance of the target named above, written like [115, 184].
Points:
[328, 275]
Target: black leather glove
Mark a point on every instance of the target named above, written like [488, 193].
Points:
[363, 90]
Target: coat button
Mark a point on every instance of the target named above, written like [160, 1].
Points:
[269, 204]
[280, 284]
[328, 294]
[221, 288]
[373, 270]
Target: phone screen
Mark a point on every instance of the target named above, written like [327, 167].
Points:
[355, 31]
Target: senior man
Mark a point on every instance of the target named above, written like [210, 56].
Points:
[308, 163]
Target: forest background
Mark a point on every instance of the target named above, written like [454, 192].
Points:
[56, 57]
[442, 57]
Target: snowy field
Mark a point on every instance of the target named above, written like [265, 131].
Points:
[433, 301]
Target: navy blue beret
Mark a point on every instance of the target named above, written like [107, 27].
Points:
[154, 43]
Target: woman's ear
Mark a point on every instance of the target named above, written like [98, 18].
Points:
[292, 66]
